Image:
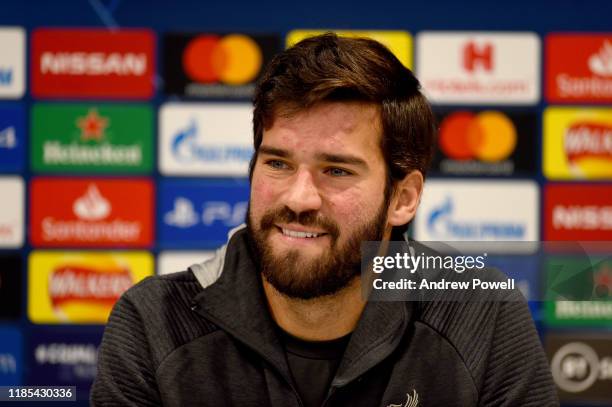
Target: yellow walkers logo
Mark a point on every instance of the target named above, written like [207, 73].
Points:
[578, 143]
[81, 287]
[398, 42]
[92, 138]
[588, 141]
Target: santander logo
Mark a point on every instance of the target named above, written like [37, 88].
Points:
[92, 205]
[601, 62]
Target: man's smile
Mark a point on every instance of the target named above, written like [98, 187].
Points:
[296, 232]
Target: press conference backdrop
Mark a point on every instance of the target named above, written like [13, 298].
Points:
[125, 136]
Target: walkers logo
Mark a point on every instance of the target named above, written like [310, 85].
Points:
[578, 212]
[175, 261]
[212, 139]
[581, 366]
[64, 356]
[81, 287]
[11, 212]
[12, 62]
[479, 68]
[93, 63]
[216, 65]
[80, 212]
[12, 138]
[587, 75]
[478, 211]
[92, 138]
[199, 214]
[398, 42]
[10, 286]
[577, 143]
[579, 291]
[11, 359]
[486, 143]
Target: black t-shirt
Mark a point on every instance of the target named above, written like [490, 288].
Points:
[313, 365]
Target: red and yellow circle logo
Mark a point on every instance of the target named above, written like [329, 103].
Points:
[233, 59]
[487, 136]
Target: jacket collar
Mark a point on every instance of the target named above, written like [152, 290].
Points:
[236, 303]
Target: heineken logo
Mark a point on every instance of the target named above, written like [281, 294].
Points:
[105, 138]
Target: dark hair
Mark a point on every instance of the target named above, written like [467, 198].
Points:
[332, 68]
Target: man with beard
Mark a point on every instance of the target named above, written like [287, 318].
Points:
[343, 138]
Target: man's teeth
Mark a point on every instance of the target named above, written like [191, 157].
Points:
[293, 233]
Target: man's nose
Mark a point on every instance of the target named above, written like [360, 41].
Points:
[303, 194]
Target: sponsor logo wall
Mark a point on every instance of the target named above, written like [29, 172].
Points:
[478, 211]
[586, 76]
[205, 139]
[12, 62]
[10, 286]
[578, 212]
[581, 365]
[80, 138]
[213, 65]
[64, 356]
[11, 356]
[12, 138]
[577, 143]
[81, 287]
[398, 42]
[488, 142]
[134, 145]
[92, 63]
[195, 214]
[175, 261]
[580, 290]
[91, 212]
[479, 68]
[12, 208]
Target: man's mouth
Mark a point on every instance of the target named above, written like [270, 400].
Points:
[303, 234]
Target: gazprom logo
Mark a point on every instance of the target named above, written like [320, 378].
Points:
[6, 76]
[442, 224]
[187, 148]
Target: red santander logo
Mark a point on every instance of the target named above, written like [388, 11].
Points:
[578, 212]
[586, 76]
[94, 212]
[93, 63]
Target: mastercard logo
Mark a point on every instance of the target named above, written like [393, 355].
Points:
[486, 136]
[233, 59]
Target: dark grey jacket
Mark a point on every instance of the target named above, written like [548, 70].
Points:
[204, 337]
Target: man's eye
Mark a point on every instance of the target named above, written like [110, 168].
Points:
[338, 172]
[277, 164]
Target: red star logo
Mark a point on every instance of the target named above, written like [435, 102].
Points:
[604, 276]
[92, 126]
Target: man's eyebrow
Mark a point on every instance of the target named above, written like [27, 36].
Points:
[342, 159]
[327, 157]
[274, 151]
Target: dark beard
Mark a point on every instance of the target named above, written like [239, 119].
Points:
[327, 275]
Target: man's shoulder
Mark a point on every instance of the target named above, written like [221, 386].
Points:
[479, 330]
[154, 288]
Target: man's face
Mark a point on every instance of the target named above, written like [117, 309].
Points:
[317, 192]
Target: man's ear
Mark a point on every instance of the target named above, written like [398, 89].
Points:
[405, 199]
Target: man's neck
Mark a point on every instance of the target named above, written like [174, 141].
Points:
[319, 319]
